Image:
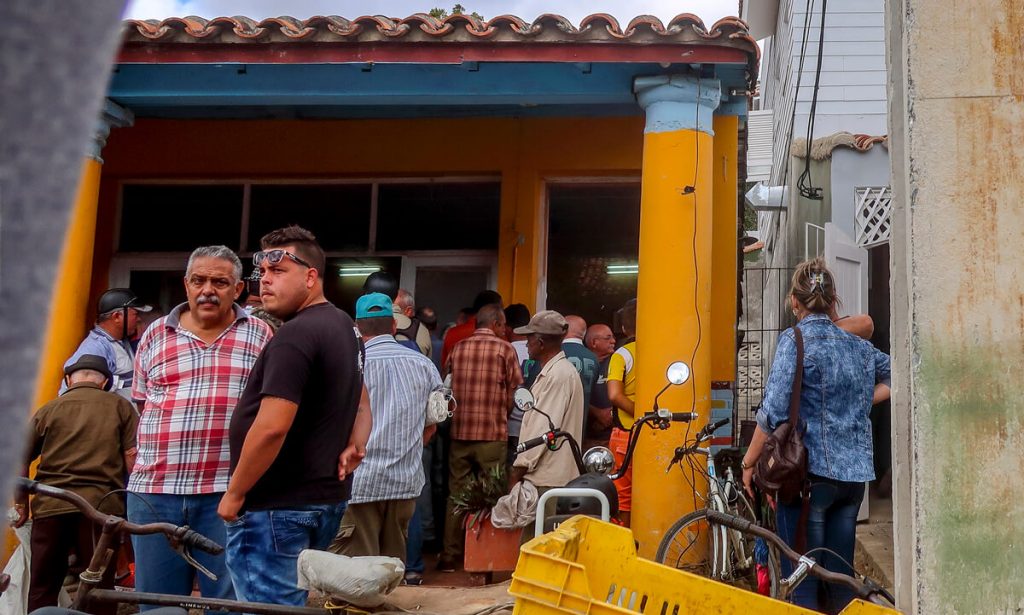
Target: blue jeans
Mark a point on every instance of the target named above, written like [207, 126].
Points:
[831, 523]
[158, 568]
[263, 549]
[422, 519]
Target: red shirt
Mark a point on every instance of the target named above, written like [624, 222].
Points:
[455, 335]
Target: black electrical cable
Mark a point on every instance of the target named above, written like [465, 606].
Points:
[805, 184]
[796, 92]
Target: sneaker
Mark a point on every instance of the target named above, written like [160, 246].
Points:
[445, 564]
[413, 578]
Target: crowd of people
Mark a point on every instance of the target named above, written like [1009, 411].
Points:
[267, 419]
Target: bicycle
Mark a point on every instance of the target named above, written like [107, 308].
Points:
[863, 586]
[729, 555]
[181, 540]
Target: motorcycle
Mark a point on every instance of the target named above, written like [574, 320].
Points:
[593, 493]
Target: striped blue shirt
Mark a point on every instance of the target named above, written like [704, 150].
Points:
[399, 381]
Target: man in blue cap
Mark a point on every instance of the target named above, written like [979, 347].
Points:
[384, 490]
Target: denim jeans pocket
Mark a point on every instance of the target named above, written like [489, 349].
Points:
[239, 522]
[293, 530]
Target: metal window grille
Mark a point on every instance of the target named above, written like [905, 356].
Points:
[764, 317]
[873, 222]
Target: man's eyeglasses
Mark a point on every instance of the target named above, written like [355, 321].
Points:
[276, 256]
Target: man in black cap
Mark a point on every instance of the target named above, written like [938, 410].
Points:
[117, 318]
[85, 443]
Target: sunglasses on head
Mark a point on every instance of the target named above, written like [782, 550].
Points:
[274, 257]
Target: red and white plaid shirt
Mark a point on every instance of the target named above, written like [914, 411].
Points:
[190, 389]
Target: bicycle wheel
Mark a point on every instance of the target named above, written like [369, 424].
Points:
[697, 546]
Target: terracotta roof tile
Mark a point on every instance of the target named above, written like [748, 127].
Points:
[549, 37]
[421, 27]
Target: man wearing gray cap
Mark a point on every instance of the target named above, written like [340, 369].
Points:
[559, 393]
[117, 318]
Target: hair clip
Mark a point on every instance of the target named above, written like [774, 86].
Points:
[817, 282]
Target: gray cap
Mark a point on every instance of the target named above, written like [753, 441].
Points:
[548, 322]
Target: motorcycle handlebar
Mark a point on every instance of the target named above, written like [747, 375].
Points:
[531, 443]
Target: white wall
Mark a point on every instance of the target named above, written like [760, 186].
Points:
[852, 89]
[852, 169]
[851, 94]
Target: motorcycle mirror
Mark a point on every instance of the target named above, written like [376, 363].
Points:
[523, 399]
[598, 459]
[678, 373]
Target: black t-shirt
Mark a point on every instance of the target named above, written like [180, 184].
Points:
[315, 360]
[599, 399]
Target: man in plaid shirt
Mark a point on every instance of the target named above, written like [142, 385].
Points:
[485, 372]
[190, 369]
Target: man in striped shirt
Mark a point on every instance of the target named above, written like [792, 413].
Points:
[190, 370]
[384, 490]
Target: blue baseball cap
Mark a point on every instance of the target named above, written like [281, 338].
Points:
[373, 305]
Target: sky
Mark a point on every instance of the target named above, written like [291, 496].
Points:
[623, 10]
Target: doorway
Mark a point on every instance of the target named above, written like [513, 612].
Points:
[448, 283]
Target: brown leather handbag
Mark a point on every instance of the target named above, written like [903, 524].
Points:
[781, 470]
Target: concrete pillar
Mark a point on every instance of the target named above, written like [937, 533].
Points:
[66, 324]
[674, 286]
[956, 125]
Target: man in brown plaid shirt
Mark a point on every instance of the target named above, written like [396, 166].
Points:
[485, 372]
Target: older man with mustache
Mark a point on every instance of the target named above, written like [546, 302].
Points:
[190, 370]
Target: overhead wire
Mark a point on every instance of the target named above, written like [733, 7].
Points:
[796, 92]
[805, 183]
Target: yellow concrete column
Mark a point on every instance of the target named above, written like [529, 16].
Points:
[674, 286]
[724, 249]
[67, 324]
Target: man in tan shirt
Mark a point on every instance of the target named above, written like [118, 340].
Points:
[558, 393]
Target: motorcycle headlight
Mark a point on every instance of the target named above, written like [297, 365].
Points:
[598, 459]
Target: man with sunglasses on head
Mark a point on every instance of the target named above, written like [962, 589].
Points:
[299, 430]
[190, 370]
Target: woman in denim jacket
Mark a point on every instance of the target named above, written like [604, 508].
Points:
[843, 376]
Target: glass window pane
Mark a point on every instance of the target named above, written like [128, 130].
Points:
[593, 248]
[339, 215]
[434, 216]
[179, 218]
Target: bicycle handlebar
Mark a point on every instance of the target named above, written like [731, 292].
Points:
[183, 534]
[713, 427]
[864, 587]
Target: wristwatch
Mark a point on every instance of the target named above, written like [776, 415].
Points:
[744, 465]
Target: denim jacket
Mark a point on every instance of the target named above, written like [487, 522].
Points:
[840, 373]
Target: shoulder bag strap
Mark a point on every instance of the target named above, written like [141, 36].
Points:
[798, 379]
[794, 420]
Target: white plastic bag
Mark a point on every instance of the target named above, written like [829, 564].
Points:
[517, 509]
[360, 581]
[14, 601]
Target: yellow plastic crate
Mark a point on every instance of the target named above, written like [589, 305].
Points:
[589, 567]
